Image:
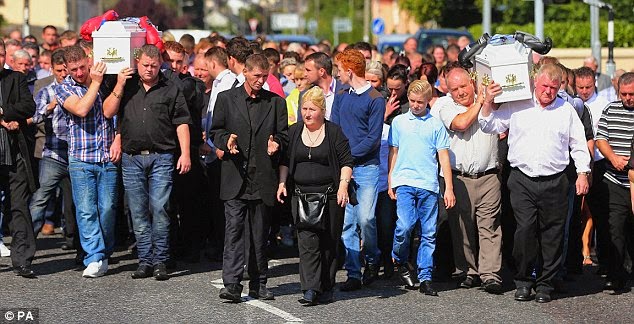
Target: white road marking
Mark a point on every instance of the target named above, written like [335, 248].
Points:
[262, 305]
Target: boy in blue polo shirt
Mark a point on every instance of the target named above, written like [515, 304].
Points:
[415, 139]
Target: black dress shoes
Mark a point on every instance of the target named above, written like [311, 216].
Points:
[143, 271]
[427, 288]
[370, 274]
[492, 287]
[260, 292]
[326, 297]
[231, 292]
[470, 282]
[309, 298]
[160, 272]
[542, 297]
[615, 285]
[406, 276]
[350, 285]
[68, 245]
[523, 294]
[24, 271]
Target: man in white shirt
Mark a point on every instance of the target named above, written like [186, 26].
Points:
[475, 223]
[217, 65]
[318, 68]
[238, 50]
[544, 132]
[610, 93]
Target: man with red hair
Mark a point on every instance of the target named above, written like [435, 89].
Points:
[359, 111]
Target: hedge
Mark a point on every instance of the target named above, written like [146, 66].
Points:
[569, 34]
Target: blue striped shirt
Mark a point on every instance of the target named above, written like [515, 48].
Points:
[89, 137]
[55, 124]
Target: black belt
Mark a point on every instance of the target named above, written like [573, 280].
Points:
[475, 175]
[539, 178]
[147, 152]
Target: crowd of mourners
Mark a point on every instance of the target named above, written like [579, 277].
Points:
[383, 164]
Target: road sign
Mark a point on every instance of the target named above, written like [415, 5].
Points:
[312, 25]
[280, 21]
[378, 26]
[342, 25]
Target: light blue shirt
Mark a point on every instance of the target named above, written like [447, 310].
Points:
[418, 139]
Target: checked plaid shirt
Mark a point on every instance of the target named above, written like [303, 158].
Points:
[90, 137]
[55, 124]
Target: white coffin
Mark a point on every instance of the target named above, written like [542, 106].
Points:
[116, 44]
[509, 65]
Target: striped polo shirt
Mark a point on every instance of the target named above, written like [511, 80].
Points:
[616, 126]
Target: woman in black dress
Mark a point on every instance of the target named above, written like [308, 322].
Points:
[318, 160]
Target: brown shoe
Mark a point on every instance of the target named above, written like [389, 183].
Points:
[48, 229]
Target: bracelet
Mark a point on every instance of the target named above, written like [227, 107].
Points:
[116, 95]
[583, 173]
[346, 180]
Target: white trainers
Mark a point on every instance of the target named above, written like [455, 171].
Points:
[4, 251]
[95, 269]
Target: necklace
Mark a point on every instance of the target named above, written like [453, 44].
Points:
[312, 142]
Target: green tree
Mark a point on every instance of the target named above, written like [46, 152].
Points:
[423, 10]
[328, 10]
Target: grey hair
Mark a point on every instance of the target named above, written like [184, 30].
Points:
[21, 54]
[287, 62]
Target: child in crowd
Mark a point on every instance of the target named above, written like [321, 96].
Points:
[415, 139]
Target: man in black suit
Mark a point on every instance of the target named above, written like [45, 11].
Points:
[17, 178]
[249, 124]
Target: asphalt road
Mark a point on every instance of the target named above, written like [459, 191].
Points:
[191, 296]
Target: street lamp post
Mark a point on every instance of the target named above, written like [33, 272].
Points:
[610, 67]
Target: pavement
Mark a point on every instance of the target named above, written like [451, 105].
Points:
[61, 295]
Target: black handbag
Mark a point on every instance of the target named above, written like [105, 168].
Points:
[310, 209]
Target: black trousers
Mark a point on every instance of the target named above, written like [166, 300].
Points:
[597, 199]
[318, 250]
[385, 224]
[620, 227]
[540, 206]
[246, 221]
[186, 201]
[15, 185]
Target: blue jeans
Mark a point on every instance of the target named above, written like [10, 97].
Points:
[148, 183]
[416, 205]
[362, 215]
[95, 195]
[52, 172]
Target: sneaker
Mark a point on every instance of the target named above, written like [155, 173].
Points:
[4, 251]
[92, 270]
[96, 269]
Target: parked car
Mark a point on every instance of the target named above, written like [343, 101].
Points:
[394, 40]
[430, 37]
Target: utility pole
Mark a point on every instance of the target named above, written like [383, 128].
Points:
[486, 17]
[26, 28]
[595, 5]
[539, 19]
[366, 20]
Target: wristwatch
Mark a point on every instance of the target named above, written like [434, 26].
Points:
[1, 111]
[584, 173]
